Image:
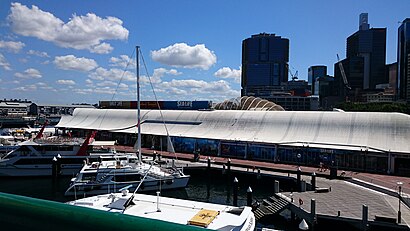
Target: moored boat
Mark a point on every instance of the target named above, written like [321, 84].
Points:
[177, 211]
[35, 157]
[111, 173]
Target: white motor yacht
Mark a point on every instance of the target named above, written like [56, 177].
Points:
[35, 157]
[111, 173]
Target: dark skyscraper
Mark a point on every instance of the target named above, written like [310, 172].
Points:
[403, 61]
[371, 45]
[315, 72]
[264, 63]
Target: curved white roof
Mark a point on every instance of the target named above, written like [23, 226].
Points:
[340, 130]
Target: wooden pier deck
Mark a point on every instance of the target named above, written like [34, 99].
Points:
[345, 202]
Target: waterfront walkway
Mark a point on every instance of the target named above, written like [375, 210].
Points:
[386, 181]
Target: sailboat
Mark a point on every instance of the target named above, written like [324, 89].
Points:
[111, 173]
[114, 172]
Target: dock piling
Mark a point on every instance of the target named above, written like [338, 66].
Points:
[229, 164]
[365, 213]
[298, 176]
[56, 167]
[249, 196]
[313, 181]
[303, 186]
[235, 192]
[313, 210]
[276, 187]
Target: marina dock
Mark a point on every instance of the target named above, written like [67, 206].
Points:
[363, 200]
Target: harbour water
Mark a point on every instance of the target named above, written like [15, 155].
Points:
[208, 186]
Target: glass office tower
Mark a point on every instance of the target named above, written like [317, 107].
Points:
[265, 60]
[403, 57]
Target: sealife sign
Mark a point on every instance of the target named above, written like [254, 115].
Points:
[184, 104]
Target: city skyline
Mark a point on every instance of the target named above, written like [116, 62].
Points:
[41, 59]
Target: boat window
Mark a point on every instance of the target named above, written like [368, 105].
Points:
[66, 148]
[133, 160]
[11, 155]
[31, 161]
[236, 211]
[89, 176]
[127, 177]
[23, 148]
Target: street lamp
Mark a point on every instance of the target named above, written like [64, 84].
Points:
[399, 213]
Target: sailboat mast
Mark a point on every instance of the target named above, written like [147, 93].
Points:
[138, 105]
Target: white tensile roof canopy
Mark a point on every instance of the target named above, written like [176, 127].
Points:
[375, 131]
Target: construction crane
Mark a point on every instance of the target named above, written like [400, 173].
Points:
[293, 76]
[342, 71]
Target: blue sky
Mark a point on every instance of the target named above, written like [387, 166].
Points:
[76, 51]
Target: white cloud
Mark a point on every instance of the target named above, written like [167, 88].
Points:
[121, 86]
[111, 74]
[83, 91]
[65, 82]
[23, 60]
[41, 84]
[4, 63]
[80, 32]
[38, 53]
[100, 90]
[32, 87]
[103, 48]
[228, 73]
[182, 55]
[11, 46]
[122, 61]
[89, 83]
[196, 87]
[70, 62]
[44, 86]
[162, 71]
[30, 73]
[158, 74]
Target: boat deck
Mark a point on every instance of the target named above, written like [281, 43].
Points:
[168, 209]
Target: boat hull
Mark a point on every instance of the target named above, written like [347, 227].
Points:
[37, 170]
[89, 189]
